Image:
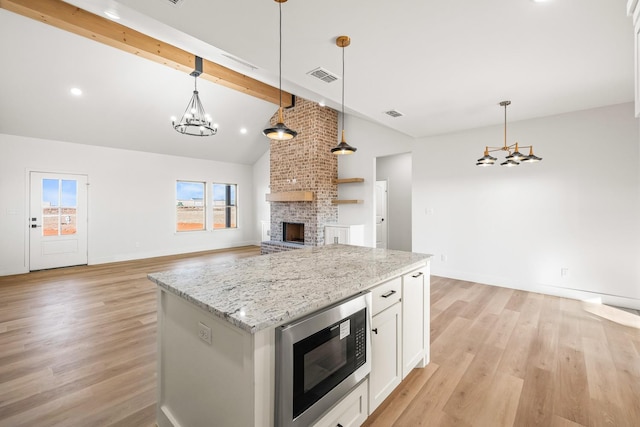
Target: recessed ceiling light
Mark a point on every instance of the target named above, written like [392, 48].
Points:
[76, 91]
[540, 1]
[112, 14]
[243, 130]
[321, 103]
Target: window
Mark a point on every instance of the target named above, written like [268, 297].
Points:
[224, 206]
[59, 206]
[190, 206]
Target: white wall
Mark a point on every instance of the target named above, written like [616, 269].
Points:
[261, 180]
[578, 209]
[396, 170]
[131, 200]
[372, 141]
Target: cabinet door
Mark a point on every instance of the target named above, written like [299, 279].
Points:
[386, 348]
[415, 312]
[332, 232]
[350, 411]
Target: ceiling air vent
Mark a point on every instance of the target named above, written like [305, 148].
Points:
[176, 2]
[324, 75]
[394, 113]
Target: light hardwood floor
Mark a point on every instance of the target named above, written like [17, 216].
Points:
[77, 348]
[502, 357]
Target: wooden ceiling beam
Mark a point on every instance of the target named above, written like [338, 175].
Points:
[79, 21]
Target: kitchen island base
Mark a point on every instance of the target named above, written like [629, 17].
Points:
[217, 330]
[226, 383]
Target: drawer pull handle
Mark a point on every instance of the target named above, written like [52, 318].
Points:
[375, 331]
[388, 294]
[417, 275]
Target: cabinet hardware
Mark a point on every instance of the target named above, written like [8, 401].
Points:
[417, 275]
[375, 331]
[388, 294]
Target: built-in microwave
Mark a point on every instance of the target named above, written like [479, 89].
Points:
[320, 358]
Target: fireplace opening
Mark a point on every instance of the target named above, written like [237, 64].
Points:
[293, 232]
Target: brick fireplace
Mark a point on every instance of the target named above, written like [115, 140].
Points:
[304, 164]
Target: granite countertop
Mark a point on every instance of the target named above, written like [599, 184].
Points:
[268, 290]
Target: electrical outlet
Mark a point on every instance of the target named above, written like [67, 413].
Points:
[564, 272]
[204, 332]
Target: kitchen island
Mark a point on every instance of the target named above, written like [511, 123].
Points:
[216, 325]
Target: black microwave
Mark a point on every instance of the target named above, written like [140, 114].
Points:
[320, 358]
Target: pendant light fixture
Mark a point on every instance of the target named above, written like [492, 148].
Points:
[343, 148]
[280, 132]
[514, 157]
[194, 120]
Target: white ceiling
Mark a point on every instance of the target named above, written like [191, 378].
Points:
[445, 64]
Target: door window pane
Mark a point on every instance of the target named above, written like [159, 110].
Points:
[68, 206]
[224, 206]
[190, 206]
[59, 207]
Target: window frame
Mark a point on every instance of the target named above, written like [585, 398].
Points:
[227, 207]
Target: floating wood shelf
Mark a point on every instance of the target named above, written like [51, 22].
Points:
[347, 202]
[291, 196]
[347, 180]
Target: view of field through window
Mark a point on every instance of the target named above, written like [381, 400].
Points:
[190, 205]
[59, 207]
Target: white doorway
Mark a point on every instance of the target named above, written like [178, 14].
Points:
[57, 220]
[381, 214]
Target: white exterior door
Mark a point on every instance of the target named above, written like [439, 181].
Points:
[57, 220]
[381, 214]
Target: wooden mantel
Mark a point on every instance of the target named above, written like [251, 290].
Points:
[291, 196]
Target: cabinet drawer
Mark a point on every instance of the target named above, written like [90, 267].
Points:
[349, 412]
[386, 294]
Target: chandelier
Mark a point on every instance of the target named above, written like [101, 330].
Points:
[514, 157]
[280, 132]
[194, 120]
[343, 148]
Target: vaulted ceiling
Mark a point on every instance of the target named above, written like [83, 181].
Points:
[445, 65]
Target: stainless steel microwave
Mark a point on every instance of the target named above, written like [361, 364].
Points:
[320, 358]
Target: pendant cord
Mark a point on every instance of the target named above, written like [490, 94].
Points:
[505, 126]
[343, 88]
[280, 58]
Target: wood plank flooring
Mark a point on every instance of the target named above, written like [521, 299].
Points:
[78, 344]
[78, 348]
[502, 357]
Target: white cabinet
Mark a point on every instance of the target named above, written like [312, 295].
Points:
[344, 234]
[386, 342]
[415, 316]
[350, 411]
